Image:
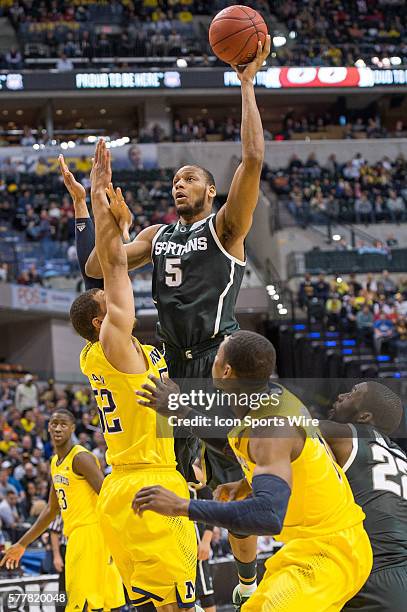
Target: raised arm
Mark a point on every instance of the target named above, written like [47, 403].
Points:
[138, 252]
[234, 219]
[116, 329]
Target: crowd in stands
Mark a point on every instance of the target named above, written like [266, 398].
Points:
[355, 191]
[36, 213]
[373, 310]
[319, 32]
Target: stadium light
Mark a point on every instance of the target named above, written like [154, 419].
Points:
[375, 60]
[279, 41]
[292, 34]
[71, 144]
[36, 146]
[182, 62]
[336, 237]
[276, 297]
[386, 62]
[396, 61]
[339, 279]
[270, 287]
[360, 63]
[64, 145]
[280, 306]
[283, 311]
[92, 139]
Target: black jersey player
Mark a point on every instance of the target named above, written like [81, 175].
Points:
[199, 261]
[377, 472]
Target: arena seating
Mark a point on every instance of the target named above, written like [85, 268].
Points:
[355, 192]
[333, 34]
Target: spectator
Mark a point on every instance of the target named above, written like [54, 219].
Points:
[364, 324]
[388, 284]
[64, 64]
[26, 394]
[383, 331]
[333, 310]
[9, 514]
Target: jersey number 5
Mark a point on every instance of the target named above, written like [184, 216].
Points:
[391, 473]
[105, 410]
[173, 272]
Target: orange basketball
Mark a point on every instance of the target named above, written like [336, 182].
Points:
[235, 32]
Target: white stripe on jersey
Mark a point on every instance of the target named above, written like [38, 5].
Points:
[222, 297]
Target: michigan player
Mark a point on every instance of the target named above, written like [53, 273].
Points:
[297, 491]
[199, 264]
[92, 580]
[377, 472]
[156, 556]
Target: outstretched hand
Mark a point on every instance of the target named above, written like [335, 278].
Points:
[120, 210]
[249, 71]
[101, 173]
[160, 500]
[158, 397]
[12, 556]
[76, 190]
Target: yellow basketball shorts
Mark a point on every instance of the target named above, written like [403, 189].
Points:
[91, 576]
[155, 555]
[314, 575]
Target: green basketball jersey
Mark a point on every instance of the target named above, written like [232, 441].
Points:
[377, 473]
[195, 284]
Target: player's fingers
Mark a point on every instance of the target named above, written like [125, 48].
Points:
[150, 389]
[267, 45]
[155, 380]
[126, 234]
[259, 49]
[148, 404]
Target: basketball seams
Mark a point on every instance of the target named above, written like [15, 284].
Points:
[256, 25]
[249, 27]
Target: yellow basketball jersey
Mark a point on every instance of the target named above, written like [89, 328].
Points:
[76, 497]
[321, 499]
[134, 434]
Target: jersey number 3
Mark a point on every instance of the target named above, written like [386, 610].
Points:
[173, 272]
[106, 409]
[391, 473]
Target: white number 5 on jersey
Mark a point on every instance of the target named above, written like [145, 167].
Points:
[173, 272]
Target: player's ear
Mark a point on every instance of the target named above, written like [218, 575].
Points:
[212, 191]
[97, 322]
[227, 371]
[365, 417]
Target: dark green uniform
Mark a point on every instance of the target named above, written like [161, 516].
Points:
[195, 288]
[377, 473]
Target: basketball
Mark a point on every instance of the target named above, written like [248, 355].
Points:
[234, 34]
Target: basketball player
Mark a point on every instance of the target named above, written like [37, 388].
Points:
[92, 580]
[297, 491]
[199, 264]
[156, 556]
[377, 472]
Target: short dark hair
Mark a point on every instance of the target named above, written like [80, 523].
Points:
[209, 178]
[250, 355]
[66, 412]
[83, 310]
[384, 404]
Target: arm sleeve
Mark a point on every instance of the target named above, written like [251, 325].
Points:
[205, 494]
[85, 242]
[262, 514]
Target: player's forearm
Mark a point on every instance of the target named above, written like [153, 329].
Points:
[93, 267]
[41, 524]
[110, 250]
[54, 539]
[251, 129]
